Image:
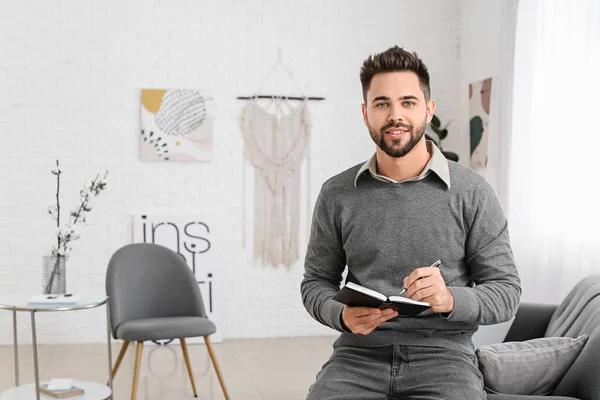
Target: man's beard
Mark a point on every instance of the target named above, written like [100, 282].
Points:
[395, 149]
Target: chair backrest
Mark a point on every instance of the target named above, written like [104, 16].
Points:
[582, 379]
[145, 280]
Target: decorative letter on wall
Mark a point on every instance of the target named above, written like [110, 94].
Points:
[189, 237]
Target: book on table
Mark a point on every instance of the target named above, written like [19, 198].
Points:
[60, 393]
[354, 295]
[54, 299]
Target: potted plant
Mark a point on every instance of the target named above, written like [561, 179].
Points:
[54, 268]
[442, 133]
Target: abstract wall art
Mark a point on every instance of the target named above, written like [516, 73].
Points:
[479, 115]
[176, 125]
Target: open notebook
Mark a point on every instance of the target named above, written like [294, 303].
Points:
[354, 295]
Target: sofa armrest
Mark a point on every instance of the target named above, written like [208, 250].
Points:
[530, 322]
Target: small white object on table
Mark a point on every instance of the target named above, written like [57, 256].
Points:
[60, 384]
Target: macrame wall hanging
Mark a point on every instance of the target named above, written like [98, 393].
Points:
[276, 142]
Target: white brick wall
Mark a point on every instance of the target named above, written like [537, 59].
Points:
[70, 74]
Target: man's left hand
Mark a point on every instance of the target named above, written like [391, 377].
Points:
[426, 284]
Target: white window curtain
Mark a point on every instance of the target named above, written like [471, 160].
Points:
[500, 121]
[554, 191]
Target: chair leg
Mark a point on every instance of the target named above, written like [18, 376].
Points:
[119, 359]
[211, 352]
[186, 356]
[136, 371]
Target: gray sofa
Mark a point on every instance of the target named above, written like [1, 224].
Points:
[578, 314]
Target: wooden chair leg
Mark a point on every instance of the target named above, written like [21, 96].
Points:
[119, 359]
[211, 352]
[186, 356]
[136, 371]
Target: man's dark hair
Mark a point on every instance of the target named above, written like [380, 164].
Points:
[394, 59]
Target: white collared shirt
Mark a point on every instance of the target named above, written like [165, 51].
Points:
[437, 164]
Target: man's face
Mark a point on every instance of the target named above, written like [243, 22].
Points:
[396, 112]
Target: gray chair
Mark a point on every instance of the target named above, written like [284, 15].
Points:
[155, 296]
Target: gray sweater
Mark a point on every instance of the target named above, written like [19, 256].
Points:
[383, 231]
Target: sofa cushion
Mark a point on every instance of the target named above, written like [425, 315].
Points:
[519, 397]
[533, 367]
[581, 380]
[569, 315]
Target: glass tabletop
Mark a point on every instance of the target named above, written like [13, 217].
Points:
[22, 302]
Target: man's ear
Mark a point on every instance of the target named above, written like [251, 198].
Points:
[430, 110]
[363, 108]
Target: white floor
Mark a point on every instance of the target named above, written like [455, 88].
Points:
[254, 369]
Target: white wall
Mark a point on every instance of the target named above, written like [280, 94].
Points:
[487, 30]
[70, 74]
[479, 30]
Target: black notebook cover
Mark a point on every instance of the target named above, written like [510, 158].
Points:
[354, 298]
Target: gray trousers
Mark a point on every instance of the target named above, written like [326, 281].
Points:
[398, 372]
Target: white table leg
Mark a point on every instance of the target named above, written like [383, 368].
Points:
[15, 348]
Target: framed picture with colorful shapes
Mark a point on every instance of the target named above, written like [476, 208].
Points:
[176, 125]
[479, 116]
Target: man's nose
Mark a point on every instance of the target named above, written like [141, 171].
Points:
[396, 114]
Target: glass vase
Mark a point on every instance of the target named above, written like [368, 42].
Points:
[54, 275]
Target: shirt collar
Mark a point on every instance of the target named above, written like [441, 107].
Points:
[437, 163]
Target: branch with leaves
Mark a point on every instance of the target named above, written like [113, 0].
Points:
[67, 233]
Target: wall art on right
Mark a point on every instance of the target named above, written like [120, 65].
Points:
[480, 94]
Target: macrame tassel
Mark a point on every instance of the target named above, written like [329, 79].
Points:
[277, 149]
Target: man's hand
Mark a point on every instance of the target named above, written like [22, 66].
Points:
[426, 284]
[364, 320]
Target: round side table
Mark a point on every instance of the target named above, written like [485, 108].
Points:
[92, 391]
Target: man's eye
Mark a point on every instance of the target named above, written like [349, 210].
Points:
[381, 105]
[409, 103]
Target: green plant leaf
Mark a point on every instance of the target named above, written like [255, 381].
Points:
[443, 133]
[427, 137]
[450, 155]
[435, 122]
[476, 132]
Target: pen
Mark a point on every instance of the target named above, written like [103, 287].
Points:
[435, 264]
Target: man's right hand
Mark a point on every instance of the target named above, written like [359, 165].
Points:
[364, 320]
